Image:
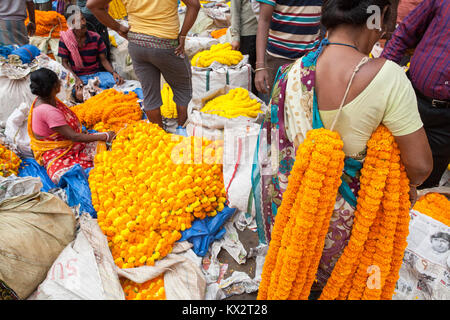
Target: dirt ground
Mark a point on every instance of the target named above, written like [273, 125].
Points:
[250, 240]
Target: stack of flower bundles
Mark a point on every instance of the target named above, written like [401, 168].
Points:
[379, 232]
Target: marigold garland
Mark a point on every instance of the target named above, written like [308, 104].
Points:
[117, 9]
[149, 290]
[48, 20]
[9, 162]
[436, 206]
[216, 34]
[379, 231]
[110, 110]
[295, 248]
[222, 53]
[146, 191]
[169, 107]
[380, 226]
[237, 102]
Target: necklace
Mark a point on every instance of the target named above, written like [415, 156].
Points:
[344, 44]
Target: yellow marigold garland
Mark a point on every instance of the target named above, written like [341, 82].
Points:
[110, 110]
[117, 9]
[146, 191]
[169, 107]
[222, 53]
[9, 162]
[436, 206]
[149, 290]
[380, 226]
[237, 102]
[289, 269]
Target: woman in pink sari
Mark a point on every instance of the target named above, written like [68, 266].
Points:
[57, 140]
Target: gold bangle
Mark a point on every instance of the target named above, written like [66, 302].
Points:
[260, 69]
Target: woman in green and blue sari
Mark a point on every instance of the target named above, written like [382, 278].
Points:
[338, 80]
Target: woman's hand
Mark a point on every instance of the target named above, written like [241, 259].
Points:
[111, 136]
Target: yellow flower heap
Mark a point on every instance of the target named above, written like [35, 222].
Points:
[151, 186]
[222, 53]
[9, 162]
[379, 231]
[436, 206]
[110, 110]
[237, 102]
[169, 108]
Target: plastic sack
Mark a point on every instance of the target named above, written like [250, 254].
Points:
[14, 92]
[30, 168]
[16, 131]
[204, 232]
[84, 270]
[75, 183]
[34, 229]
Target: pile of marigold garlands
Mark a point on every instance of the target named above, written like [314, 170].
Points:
[146, 191]
[49, 22]
[436, 206]
[110, 110]
[222, 53]
[237, 102]
[9, 162]
[378, 234]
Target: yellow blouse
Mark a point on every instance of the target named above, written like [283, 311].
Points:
[389, 99]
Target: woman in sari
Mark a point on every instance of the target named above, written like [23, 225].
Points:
[55, 132]
[338, 86]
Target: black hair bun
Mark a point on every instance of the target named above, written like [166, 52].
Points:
[346, 5]
[42, 82]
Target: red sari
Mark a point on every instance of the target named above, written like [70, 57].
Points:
[57, 154]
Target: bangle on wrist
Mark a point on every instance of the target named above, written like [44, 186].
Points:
[260, 69]
[415, 185]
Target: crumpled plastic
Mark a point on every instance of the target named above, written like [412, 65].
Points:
[30, 168]
[206, 231]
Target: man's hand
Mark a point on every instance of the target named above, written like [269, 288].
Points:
[123, 31]
[179, 51]
[79, 84]
[235, 45]
[31, 28]
[119, 80]
[261, 80]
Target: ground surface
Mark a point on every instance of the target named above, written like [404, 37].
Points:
[250, 240]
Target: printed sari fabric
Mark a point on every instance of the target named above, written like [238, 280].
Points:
[59, 155]
[293, 112]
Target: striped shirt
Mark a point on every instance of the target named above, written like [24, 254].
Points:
[295, 27]
[90, 52]
[426, 28]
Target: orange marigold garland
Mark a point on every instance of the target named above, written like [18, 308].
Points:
[46, 21]
[380, 227]
[290, 267]
[110, 110]
[436, 206]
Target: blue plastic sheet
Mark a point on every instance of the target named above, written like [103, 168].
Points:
[30, 168]
[76, 185]
[206, 231]
[5, 51]
[27, 53]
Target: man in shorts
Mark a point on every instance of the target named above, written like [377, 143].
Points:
[156, 46]
[12, 22]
